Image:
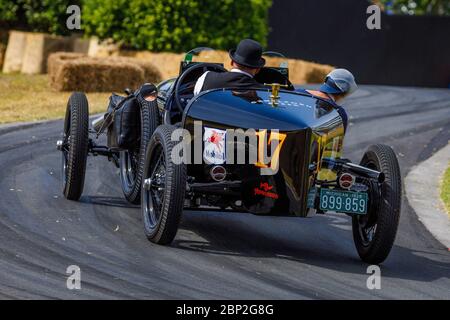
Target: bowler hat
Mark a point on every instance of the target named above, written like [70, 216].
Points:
[248, 53]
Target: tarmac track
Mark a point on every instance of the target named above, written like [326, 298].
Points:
[215, 255]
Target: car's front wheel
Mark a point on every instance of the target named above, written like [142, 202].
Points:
[374, 233]
[163, 188]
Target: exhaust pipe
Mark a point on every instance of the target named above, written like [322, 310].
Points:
[356, 169]
[363, 171]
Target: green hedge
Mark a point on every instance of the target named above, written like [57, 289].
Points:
[157, 25]
[176, 25]
[43, 15]
[418, 7]
[8, 10]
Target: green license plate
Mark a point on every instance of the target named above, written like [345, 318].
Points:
[343, 201]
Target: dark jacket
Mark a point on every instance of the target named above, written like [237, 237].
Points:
[215, 80]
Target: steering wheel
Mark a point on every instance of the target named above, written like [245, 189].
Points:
[202, 67]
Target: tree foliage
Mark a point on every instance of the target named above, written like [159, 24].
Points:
[417, 7]
[158, 25]
[175, 25]
[43, 15]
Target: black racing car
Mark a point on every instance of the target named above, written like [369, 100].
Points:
[272, 151]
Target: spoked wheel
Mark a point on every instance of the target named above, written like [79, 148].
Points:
[132, 161]
[129, 162]
[65, 160]
[155, 186]
[374, 233]
[163, 188]
[74, 145]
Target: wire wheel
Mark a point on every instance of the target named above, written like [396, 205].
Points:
[374, 233]
[154, 186]
[163, 188]
[128, 166]
[65, 159]
[75, 145]
[132, 160]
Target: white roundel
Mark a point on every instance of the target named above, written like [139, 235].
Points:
[214, 146]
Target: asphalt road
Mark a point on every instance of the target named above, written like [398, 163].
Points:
[215, 255]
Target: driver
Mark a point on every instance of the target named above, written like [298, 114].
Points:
[246, 61]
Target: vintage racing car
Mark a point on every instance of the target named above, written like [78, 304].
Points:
[273, 151]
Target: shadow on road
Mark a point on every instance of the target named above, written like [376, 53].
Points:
[108, 201]
[320, 242]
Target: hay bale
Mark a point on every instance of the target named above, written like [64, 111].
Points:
[80, 45]
[75, 71]
[216, 56]
[2, 54]
[56, 60]
[301, 71]
[3, 43]
[28, 52]
[102, 48]
[151, 73]
[14, 52]
[4, 36]
[317, 73]
[38, 47]
[168, 64]
[96, 75]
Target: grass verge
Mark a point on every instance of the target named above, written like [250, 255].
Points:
[445, 190]
[30, 98]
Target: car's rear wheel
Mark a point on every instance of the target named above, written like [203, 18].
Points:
[75, 145]
[163, 189]
[132, 160]
[374, 233]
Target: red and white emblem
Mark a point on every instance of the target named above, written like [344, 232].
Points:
[214, 146]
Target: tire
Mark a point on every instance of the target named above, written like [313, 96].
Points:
[162, 199]
[76, 140]
[132, 161]
[374, 233]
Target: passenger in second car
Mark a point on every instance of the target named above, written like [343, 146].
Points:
[338, 84]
